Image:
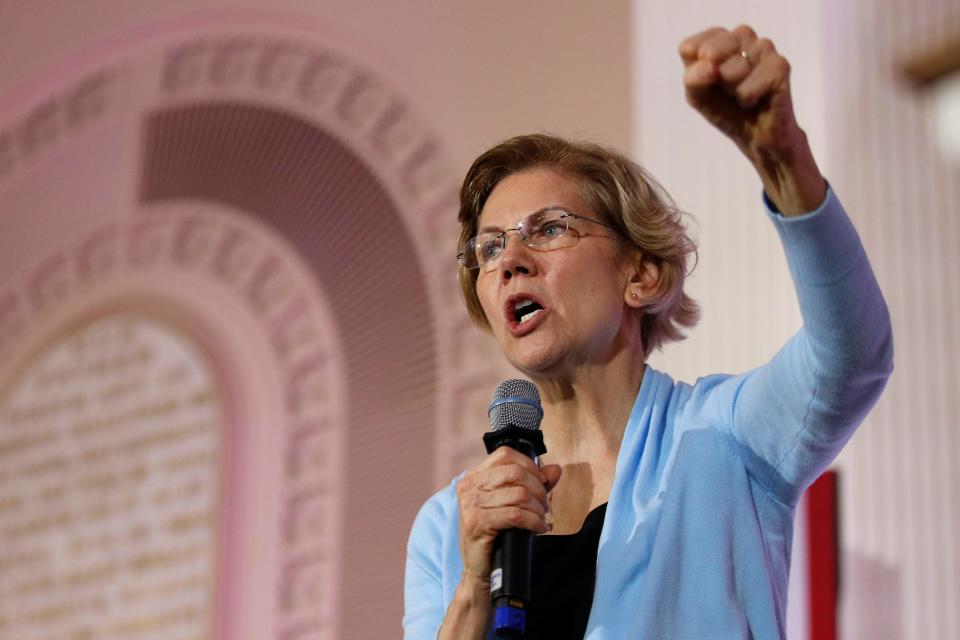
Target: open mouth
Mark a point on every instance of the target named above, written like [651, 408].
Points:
[525, 309]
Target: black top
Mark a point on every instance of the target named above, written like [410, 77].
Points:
[564, 570]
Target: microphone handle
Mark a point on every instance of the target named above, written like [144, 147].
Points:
[513, 548]
[510, 581]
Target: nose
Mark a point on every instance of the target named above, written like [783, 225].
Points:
[516, 258]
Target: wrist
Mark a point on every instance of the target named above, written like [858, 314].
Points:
[790, 176]
[469, 614]
[473, 588]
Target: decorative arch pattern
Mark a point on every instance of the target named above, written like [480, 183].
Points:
[328, 205]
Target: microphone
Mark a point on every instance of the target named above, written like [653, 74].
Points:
[515, 415]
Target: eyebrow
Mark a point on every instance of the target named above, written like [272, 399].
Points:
[488, 228]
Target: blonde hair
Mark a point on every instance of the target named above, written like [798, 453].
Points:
[614, 187]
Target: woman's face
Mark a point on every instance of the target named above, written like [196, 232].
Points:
[582, 290]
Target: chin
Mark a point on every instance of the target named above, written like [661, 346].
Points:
[533, 355]
[535, 363]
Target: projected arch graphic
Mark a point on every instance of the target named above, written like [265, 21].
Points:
[256, 191]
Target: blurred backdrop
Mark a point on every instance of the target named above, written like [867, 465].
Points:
[233, 360]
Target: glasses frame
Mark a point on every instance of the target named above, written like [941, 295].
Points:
[521, 231]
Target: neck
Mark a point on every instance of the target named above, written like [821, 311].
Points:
[585, 414]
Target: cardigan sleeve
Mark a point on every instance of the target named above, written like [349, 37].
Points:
[795, 412]
[423, 598]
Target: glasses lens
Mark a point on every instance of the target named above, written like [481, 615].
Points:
[542, 230]
[545, 227]
[481, 250]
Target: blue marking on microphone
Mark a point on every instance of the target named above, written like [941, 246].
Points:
[518, 400]
[509, 622]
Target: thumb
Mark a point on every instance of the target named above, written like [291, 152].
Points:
[552, 472]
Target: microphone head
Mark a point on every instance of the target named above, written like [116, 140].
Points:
[515, 402]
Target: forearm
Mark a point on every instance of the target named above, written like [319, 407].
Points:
[790, 176]
[469, 613]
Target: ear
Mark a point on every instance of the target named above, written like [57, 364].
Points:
[643, 280]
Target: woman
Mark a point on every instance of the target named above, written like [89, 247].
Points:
[575, 260]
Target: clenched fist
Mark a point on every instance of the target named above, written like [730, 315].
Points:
[741, 85]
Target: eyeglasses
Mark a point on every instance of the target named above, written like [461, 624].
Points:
[543, 230]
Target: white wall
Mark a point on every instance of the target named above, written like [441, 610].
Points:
[901, 494]
[741, 279]
[873, 137]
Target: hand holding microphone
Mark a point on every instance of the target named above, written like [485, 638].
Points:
[505, 496]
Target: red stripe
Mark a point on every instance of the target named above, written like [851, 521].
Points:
[823, 553]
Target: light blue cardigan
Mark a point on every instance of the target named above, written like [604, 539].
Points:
[696, 540]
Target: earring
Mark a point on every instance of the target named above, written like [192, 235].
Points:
[634, 296]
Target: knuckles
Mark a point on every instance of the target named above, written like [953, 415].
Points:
[519, 495]
[515, 474]
[745, 30]
[516, 517]
[781, 65]
[469, 519]
[465, 486]
[504, 455]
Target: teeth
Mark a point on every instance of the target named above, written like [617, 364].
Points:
[524, 309]
[521, 303]
[527, 316]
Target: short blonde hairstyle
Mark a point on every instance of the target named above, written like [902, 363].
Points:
[614, 187]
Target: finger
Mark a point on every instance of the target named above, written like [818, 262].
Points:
[513, 496]
[755, 51]
[734, 70]
[700, 75]
[509, 456]
[718, 47]
[771, 74]
[480, 524]
[745, 35]
[515, 517]
[513, 476]
[510, 471]
[689, 48]
[471, 490]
